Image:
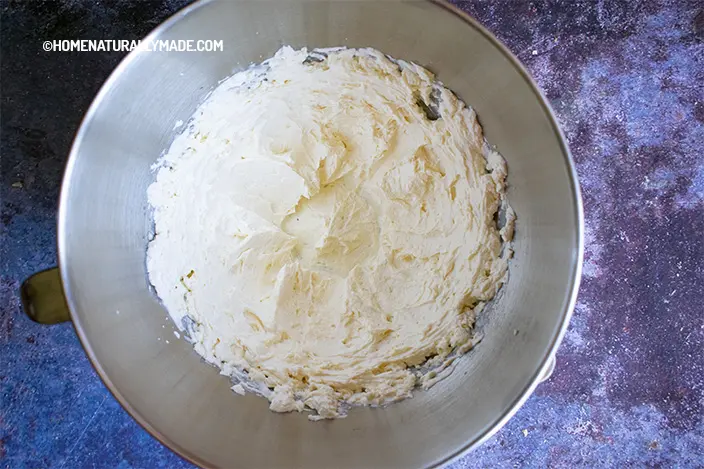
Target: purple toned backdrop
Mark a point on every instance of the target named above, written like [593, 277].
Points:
[626, 80]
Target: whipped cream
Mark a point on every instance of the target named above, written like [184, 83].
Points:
[326, 224]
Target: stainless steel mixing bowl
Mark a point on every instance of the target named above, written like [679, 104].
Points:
[104, 225]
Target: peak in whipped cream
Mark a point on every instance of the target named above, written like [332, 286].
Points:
[326, 224]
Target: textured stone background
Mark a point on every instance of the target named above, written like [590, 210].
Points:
[627, 82]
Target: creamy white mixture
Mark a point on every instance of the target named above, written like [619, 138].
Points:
[327, 222]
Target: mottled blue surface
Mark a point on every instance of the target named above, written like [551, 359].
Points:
[626, 81]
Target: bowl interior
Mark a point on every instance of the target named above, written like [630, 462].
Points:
[104, 224]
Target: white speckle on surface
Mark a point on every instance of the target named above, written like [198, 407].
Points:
[178, 124]
[525, 432]
[535, 52]
[117, 311]
[178, 336]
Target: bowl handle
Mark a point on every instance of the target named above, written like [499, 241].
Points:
[43, 297]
